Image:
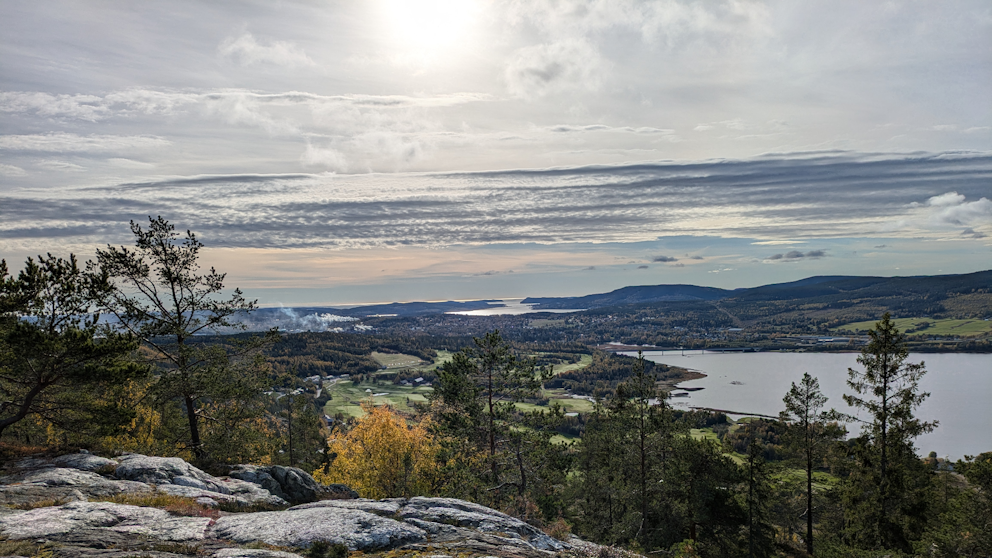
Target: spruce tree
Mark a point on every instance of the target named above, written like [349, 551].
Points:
[886, 504]
[809, 434]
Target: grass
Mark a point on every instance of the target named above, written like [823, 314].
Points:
[704, 434]
[929, 326]
[396, 360]
[821, 480]
[347, 397]
[584, 360]
[18, 548]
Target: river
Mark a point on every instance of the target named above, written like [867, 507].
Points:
[960, 386]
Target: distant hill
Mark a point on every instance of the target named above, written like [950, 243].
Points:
[850, 287]
[631, 295]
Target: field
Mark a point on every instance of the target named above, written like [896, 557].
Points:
[346, 397]
[928, 326]
[584, 360]
[396, 360]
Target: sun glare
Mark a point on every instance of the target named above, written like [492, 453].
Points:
[429, 26]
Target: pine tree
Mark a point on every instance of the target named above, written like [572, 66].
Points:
[162, 298]
[57, 363]
[475, 394]
[811, 431]
[885, 499]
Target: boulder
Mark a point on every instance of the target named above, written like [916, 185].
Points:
[357, 529]
[175, 476]
[164, 470]
[290, 483]
[448, 511]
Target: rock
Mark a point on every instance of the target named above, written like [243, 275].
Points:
[164, 470]
[175, 476]
[357, 529]
[84, 462]
[385, 508]
[151, 522]
[252, 553]
[58, 488]
[58, 485]
[487, 520]
[290, 483]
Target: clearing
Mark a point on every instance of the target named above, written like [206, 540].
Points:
[929, 326]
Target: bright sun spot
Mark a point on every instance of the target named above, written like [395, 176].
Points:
[429, 26]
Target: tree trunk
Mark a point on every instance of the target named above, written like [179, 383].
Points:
[194, 430]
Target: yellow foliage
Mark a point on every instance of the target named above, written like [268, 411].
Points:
[145, 432]
[382, 457]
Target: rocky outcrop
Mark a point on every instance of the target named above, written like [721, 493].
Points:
[290, 483]
[76, 524]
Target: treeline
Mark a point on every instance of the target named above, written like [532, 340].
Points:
[640, 477]
[339, 353]
[148, 380]
[608, 370]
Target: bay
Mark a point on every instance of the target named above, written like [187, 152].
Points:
[960, 386]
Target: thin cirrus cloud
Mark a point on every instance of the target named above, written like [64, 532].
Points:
[62, 142]
[772, 198]
[246, 50]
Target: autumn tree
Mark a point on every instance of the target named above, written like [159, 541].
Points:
[811, 430]
[383, 457]
[57, 362]
[162, 297]
[886, 503]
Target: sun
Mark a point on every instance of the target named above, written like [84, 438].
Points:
[429, 27]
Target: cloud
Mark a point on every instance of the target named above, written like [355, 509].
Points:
[62, 166]
[246, 50]
[951, 209]
[11, 170]
[539, 70]
[769, 198]
[680, 264]
[972, 233]
[664, 259]
[794, 255]
[79, 107]
[323, 157]
[642, 267]
[695, 257]
[62, 142]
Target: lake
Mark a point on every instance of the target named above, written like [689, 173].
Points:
[513, 306]
[960, 386]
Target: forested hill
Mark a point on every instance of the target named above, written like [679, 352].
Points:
[632, 295]
[849, 287]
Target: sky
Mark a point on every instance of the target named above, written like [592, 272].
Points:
[387, 150]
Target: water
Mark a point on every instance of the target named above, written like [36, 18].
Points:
[960, 386]
[514, 306]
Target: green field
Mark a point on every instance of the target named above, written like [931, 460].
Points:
[584, 360]
[928, 326]
[570, 405]
[396, 360]
[346, 397]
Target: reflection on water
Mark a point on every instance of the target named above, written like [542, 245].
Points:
[513, 306]
[960, 387]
